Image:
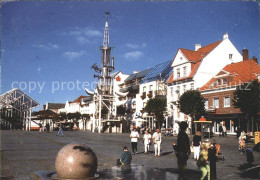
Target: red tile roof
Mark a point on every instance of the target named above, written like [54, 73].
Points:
[196, 57]
[78, 100]
[200, 53]
[239, 73]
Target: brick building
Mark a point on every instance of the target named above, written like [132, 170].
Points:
[219, 93]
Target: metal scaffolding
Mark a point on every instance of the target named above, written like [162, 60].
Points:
[16, 110]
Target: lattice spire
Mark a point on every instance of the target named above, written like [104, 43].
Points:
[106, 33]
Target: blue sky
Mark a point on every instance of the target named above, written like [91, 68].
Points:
[50, 46]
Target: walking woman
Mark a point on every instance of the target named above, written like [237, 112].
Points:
[202, 163]
[196, 143]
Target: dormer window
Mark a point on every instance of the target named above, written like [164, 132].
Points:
[219, 82]
[230, 56]
[224, 81]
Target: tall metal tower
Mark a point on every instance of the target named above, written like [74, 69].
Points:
[104, 96]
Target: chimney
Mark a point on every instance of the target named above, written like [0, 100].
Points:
[245, 54]
[197, 46]
[255, 59]
[225, 36]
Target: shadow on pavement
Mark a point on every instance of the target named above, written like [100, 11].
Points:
[190, 174]
[250, 171]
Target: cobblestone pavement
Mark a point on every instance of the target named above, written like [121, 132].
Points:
[23, 153]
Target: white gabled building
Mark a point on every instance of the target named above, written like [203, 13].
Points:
[192, 69]
[153, 84]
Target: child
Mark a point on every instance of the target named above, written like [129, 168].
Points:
[203, 162]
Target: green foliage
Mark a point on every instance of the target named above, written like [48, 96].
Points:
[75, 116]
[121, 110]
[156, 107]
[63, 116]
[247, 98]
[191, 103]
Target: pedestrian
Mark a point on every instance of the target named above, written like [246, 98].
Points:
[134, 139]
[196, 143]
[60, 130]
[224, 133]
[238, 130]
[249, 154]
[157, 140]
[220, 129]
[182, 148]
[126, 157]
[241, 142]
[147, 141]
[212, 153]
[202, 163]
[40, 125]
[48, 127]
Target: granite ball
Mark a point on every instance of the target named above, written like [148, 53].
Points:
[76, 161]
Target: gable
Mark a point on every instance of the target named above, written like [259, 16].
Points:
[179, 59]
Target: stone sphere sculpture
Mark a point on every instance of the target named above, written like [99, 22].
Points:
[76, 161]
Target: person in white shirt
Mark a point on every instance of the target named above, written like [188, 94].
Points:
[147, 139]
[134, 139]
[157, 140]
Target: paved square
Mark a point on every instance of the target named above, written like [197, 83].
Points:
[23, 153]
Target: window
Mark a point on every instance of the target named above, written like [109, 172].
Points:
[192, 86]
[184, 88]
[177, 90]
[219, 82]
[224, 81]
[144, 89]
[227, 101]
[178, 73]
[230, 56]
[150, 87]
[215, 102]
[171, 91]
[184, 71]
[206, 104]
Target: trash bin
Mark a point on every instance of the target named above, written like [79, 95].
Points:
[257, 137]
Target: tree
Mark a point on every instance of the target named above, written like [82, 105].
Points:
[247, 98]
[75, 116]
[63, 116]
[191, 103]
[156, 107]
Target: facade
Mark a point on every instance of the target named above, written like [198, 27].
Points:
[219, 94]
[152, 85]
[192, 69]
[131, 87]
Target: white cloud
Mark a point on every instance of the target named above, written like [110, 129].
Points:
[136, 46]
[133, 46]
[85, 35]
[48, 46]
[133, 54]
[92, 33]
[73, 54]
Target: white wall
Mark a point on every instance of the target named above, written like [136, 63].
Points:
[215, 61]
